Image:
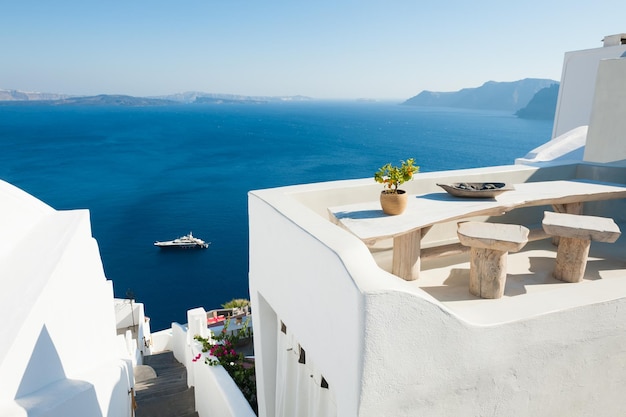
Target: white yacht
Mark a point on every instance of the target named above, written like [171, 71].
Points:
[184, 242]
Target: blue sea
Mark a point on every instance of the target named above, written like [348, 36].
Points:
[156, 173]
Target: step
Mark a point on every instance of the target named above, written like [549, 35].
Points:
[170, 405]
[167, 394]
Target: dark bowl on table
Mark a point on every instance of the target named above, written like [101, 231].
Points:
[476, 189]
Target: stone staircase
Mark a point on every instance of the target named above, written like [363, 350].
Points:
[161, 388]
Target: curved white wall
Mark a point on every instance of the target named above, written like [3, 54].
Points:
[388, 348]
[296, 279]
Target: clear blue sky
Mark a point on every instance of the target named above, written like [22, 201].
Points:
[390, 49]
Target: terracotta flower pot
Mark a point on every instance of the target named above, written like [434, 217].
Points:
[393, 203]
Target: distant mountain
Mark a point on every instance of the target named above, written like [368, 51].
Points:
[217, 100]
[99, 100]
[190, 97]
[492, 95]
[203, 98]
[15, 95]
[542, 105]
[115, 100]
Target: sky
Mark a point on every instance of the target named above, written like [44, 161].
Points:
[326, 49]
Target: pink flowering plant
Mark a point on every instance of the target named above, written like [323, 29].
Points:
[223, 351]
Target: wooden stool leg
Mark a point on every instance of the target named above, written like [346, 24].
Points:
[487, 272]
[571, 259]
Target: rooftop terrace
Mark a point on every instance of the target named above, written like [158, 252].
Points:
[301, 261]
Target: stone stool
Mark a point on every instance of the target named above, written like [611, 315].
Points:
[575, 235]
[490, 243]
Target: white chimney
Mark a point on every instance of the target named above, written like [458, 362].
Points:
[615, 40]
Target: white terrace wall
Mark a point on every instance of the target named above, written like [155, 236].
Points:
[216, 394]
[297, 280]
[387, 348]
[59, 350]
[421, 360]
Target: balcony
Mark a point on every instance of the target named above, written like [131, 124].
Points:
[382, 343]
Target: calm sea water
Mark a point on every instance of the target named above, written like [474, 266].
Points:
[156, 173]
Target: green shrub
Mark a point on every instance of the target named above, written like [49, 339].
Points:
[237, 303]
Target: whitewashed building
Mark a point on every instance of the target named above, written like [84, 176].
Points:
[60, 355]
[337, 334]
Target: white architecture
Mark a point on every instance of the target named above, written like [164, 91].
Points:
[578, 81]
[59, 351]
[336, 334]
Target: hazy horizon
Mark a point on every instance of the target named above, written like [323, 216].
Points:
[326, 50]
[210, 93]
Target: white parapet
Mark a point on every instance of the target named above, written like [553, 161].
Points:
[216, 394]
[197, 323]
[566, 148]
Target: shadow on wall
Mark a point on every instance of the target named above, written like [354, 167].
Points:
[44, 366]
[44, 383]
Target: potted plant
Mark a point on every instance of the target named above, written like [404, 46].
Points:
[393, 200]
